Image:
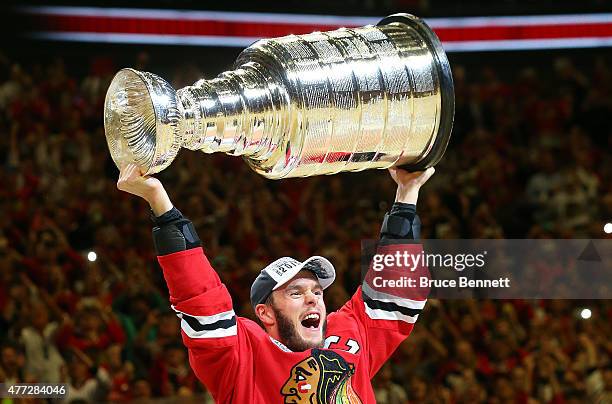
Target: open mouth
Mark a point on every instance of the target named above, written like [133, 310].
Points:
[311, 321]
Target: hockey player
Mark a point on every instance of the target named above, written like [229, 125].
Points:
[302, 354]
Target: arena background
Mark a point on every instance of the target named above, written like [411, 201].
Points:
[529, 158]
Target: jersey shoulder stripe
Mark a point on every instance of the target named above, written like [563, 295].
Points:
[390, 306]
[378, 314]
[215, 326]
[382, 306]
[369, 292]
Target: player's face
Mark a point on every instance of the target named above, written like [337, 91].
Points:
[300, 312]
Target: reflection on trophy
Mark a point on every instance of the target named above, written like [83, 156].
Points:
[300, 105]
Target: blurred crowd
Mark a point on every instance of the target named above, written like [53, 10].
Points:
[529, 158]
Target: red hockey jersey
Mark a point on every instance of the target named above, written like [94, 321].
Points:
[239, 363]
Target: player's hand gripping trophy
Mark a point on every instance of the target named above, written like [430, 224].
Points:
[301, 105]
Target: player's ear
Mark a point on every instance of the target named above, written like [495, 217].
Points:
[265, 314]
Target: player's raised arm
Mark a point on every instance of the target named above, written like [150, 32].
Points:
[385, 318]
[202, 302]
[402, 221]
[186, 269]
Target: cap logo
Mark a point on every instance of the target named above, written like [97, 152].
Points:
[280, 267]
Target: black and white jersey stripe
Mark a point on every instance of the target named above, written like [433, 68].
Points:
[383, 306]
[215, 326]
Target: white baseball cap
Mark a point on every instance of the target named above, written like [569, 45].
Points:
[284, 269]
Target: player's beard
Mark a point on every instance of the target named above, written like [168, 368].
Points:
[289, 335]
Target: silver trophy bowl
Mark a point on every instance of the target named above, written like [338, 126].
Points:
[301, 105]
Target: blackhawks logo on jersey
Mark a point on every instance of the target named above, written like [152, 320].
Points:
[322, 378]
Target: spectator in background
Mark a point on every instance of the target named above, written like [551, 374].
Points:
[171, 373]
[141, 391]
[43, 360]
[387, 391]
[121, 374]
[94, 329]
[86, 381]
[12, 365]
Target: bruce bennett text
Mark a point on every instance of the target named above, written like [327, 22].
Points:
[426, 282]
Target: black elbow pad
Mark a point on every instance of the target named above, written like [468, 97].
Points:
[400, 227]
[177, 235]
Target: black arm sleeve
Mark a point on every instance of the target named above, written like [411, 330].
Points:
[173, 233]
[401, 222]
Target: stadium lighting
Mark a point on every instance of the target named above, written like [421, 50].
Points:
[92, 256]
[585, 314]
[608, 228]
[241, 29]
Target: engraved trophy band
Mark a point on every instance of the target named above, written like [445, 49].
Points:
[297, 106]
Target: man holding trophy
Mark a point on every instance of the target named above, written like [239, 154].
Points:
[348, 100]
[237, 360]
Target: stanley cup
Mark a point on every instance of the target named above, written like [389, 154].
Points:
[300, 105]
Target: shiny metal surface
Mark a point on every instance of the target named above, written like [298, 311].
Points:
[301, 105]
